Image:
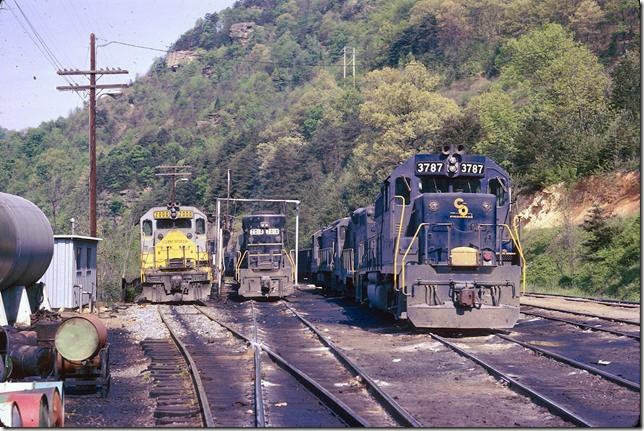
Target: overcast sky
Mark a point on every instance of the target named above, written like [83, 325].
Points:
[28, 81]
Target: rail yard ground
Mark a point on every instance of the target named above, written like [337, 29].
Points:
[466, 379]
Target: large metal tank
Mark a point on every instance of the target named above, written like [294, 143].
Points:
[26, 242]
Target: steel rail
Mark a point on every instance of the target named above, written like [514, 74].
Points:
[579, 313]
[582, 325]
[260, 417]
[550, 404]
[343, 411]
[394, 409]
[550, 354]
[194, 373]
[612, 302]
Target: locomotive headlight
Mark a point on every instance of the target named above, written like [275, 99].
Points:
[189, 235]
[433, 205]
[487, 256]
[451, 160]
[160, 236]
[451, 168]
[487, 207]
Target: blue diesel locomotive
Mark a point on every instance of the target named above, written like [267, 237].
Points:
[439, 246]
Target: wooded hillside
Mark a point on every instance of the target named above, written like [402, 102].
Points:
[549, 89]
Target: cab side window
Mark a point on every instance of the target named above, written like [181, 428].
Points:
[379, 206]
[200, 226]
[147, 227]
[497, 188]
[403, 188]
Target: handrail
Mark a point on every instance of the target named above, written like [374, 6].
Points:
[351, 256]
[293, 269]
[517, 243]
[520, 250]
[402, 215]
[405, 257]
[239, 262]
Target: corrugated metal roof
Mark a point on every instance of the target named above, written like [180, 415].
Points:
[77, 237]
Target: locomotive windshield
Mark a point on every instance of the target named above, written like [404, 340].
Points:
[180, 223]
[435, 184]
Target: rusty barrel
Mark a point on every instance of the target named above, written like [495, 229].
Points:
[34, 408]
[10, 414]
[80, 337]
[46, 333]
[31, 361]
[69, 367]
[56, 411]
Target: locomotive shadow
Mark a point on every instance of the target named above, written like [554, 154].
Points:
[361, 315]
[379, 321]
[230, 293]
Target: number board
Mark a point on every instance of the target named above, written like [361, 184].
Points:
[167, 214]
[264, 231]
[471, 168]
[430, 168]
[184, 214]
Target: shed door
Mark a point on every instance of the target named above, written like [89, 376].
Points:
[85, 267]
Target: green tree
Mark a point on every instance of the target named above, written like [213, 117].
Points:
[401, 114]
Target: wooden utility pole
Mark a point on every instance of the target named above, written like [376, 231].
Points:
[173, 174]
[92, 87]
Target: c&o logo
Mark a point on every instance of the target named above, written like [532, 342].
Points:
[463, 211]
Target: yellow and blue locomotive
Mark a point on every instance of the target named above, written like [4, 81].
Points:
[175, 258]
[264, 268]
[436, 247]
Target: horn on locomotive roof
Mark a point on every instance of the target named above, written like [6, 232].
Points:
[453, 149]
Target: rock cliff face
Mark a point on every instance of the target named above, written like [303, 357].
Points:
[242, 31]
[178, 58]
[617, 193]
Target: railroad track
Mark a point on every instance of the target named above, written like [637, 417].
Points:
[597, 327]
[294, 344]
[543, 382]
[609, 302]
[181, 400]
[579, 313]
[544, 360]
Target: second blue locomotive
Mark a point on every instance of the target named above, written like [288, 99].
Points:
[438, 247]
[263, 268]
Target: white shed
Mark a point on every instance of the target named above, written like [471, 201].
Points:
[70, 280]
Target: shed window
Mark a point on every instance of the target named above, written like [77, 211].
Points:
[200, 226]
[403, 188]
[147, 227]
[88, 263]
[79, 251]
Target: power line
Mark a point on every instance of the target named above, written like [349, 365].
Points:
[42, 47]
[239, 60]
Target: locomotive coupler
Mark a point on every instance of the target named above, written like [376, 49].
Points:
[176, 282]
[465, 297]
[265, 284]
